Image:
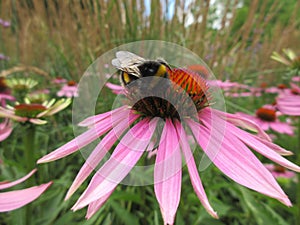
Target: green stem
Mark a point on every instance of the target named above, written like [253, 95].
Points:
[298, 185]
[28, 141]
[29, 137]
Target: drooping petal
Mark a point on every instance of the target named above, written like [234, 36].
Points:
[5, 129]
[99, 152]
[85, 138]
[211, 118]
[37, 121]
[167, 173]
[191, 165]
[15, 199]
[236, 120]
[289, 104]
[273, 146]
[123, 159]
[92, 120]
[261, 148]
[96, 205]
[235, 160]
[13, 183]
[281, 127]
[116, 89]
[5, 113]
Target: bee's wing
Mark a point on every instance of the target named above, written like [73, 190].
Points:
[128, 62]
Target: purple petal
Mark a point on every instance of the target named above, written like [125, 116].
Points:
[96, 205]
[261, 148]
[98, 153]
[194, 175]
[86, 138]
[15, 199]
[282, 127]
[124, 157]
[13, 183]
[237, 121]
[235, 160]
[92, 120]
[5, 129]
[167, 173]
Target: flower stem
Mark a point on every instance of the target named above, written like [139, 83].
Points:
[28, 141]
[29, 137]
[298, 185]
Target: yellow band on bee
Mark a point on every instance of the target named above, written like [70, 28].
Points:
[126, 78]
[161, 71]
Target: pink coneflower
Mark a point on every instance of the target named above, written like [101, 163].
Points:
[12, 200]
[280, 88]
[216, 132]
[266, 118]
[296, 79]
[69, 90]
[288, 102]
[279, 171]
[5, 129]
[228, 85]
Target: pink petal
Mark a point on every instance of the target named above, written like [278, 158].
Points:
[261, 148]
[92, 120]
[191, 165]
[124, 157]
[116, 89]
[98, 153]
[235, 160]
[281, 127]
[15, 199]
[5, 129]
[167, 173]
[271, 145]
[96, 205]
[11, 184]
[237, 121]
[85, 138]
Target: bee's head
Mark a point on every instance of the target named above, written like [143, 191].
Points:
[153, 68]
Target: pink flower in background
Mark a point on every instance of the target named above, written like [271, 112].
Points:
[296, 79]
[289, 102]
[4, 23]
[5, 129]
[59, 80]
[216, 132]
[279, 171]
[68, 90]
[266, 118]
[228, 85]
[12, 200]
[279, 89]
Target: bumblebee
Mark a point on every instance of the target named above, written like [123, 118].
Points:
[183, 87]
[133, 67]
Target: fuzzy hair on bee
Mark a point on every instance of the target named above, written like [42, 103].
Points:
[133, 67]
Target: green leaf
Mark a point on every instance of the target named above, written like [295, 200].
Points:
[126, 217]
[262, 213]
